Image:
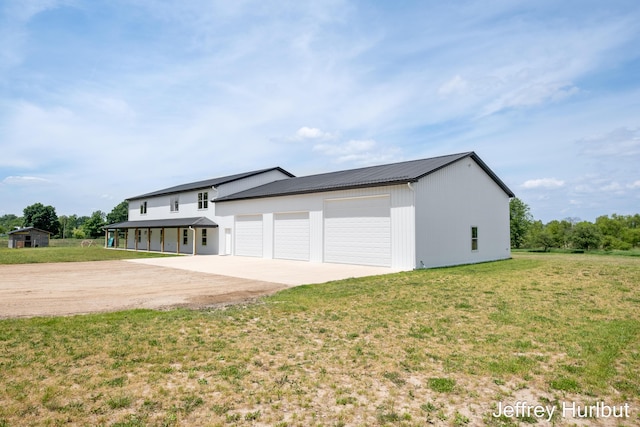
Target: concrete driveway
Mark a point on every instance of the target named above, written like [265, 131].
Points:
[291, 273]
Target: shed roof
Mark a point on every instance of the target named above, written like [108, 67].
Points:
[199, 222]
[22, 230]
[208, 183]
[373, 176]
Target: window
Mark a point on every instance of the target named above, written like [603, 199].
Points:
[139, 235]
[174, 203]
[185, 236]
[204, 237]
[474, 238]
[143, 208]
[203, 200]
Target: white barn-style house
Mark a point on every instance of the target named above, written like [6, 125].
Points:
[432, 212]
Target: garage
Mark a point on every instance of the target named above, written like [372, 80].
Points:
[291, 236]
[249, 235]
[358, 231]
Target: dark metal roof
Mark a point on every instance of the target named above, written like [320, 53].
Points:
[22, 230]
[373, 176]
[207, 183]
[200, 222]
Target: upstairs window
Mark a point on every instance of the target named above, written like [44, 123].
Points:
[203, 200]
[474, 238]
[174, 204]
[143, 208]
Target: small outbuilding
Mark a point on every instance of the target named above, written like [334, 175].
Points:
[28, 237]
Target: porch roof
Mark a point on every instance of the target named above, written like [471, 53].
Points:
[198, 222]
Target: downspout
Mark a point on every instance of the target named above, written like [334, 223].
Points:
[193, 252]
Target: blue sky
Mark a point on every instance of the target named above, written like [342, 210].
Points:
[102, 100]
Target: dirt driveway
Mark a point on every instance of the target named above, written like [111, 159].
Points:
[28, 290]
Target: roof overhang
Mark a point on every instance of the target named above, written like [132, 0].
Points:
[197, 222]
[27, 229]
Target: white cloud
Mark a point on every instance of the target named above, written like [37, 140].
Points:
[530, 94]
[358, 151]
[612, 187]
[547, 183]
[312, 133]
[634, 185]
[621, 142]
[25, 180]
[456, 85]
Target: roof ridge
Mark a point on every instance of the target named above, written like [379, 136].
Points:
[204, 183]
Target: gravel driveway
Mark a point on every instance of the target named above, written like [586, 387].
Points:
[55, 289]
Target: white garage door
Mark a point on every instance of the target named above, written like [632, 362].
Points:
[249, 235]
[358, 231]
[291, 236]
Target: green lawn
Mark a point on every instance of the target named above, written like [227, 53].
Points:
[438, 347]
[68, 254]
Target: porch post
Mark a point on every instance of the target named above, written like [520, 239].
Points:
[106, 237]
[194, 241]
[136, 239]
[126, 238]
[178, 241]
[162, 240]
[148, 239]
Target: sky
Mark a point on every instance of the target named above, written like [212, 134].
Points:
[101, 100]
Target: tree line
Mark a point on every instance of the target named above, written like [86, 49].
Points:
[64, 226]
[621, 232]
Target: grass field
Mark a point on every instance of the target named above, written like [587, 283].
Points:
[438, 347]
[68, 250]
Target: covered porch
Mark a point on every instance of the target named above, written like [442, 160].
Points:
[176, 235]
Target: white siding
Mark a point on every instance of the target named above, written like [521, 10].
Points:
[451, 201]
[158, 206]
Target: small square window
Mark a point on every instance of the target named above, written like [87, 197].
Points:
[474, 238]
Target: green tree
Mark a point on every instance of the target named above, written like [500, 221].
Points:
[520, 220]
[42, 217]
[539, 236]
[559, 232]
[92, 227]
[613, 227]
[9, 222]
[81, 220]
[67, 224]
[585, 235]
[119, 214]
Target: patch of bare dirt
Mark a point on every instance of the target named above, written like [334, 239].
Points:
[58, 289]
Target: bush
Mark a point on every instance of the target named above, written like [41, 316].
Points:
[612, 243]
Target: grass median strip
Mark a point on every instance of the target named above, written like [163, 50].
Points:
[440, 346]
